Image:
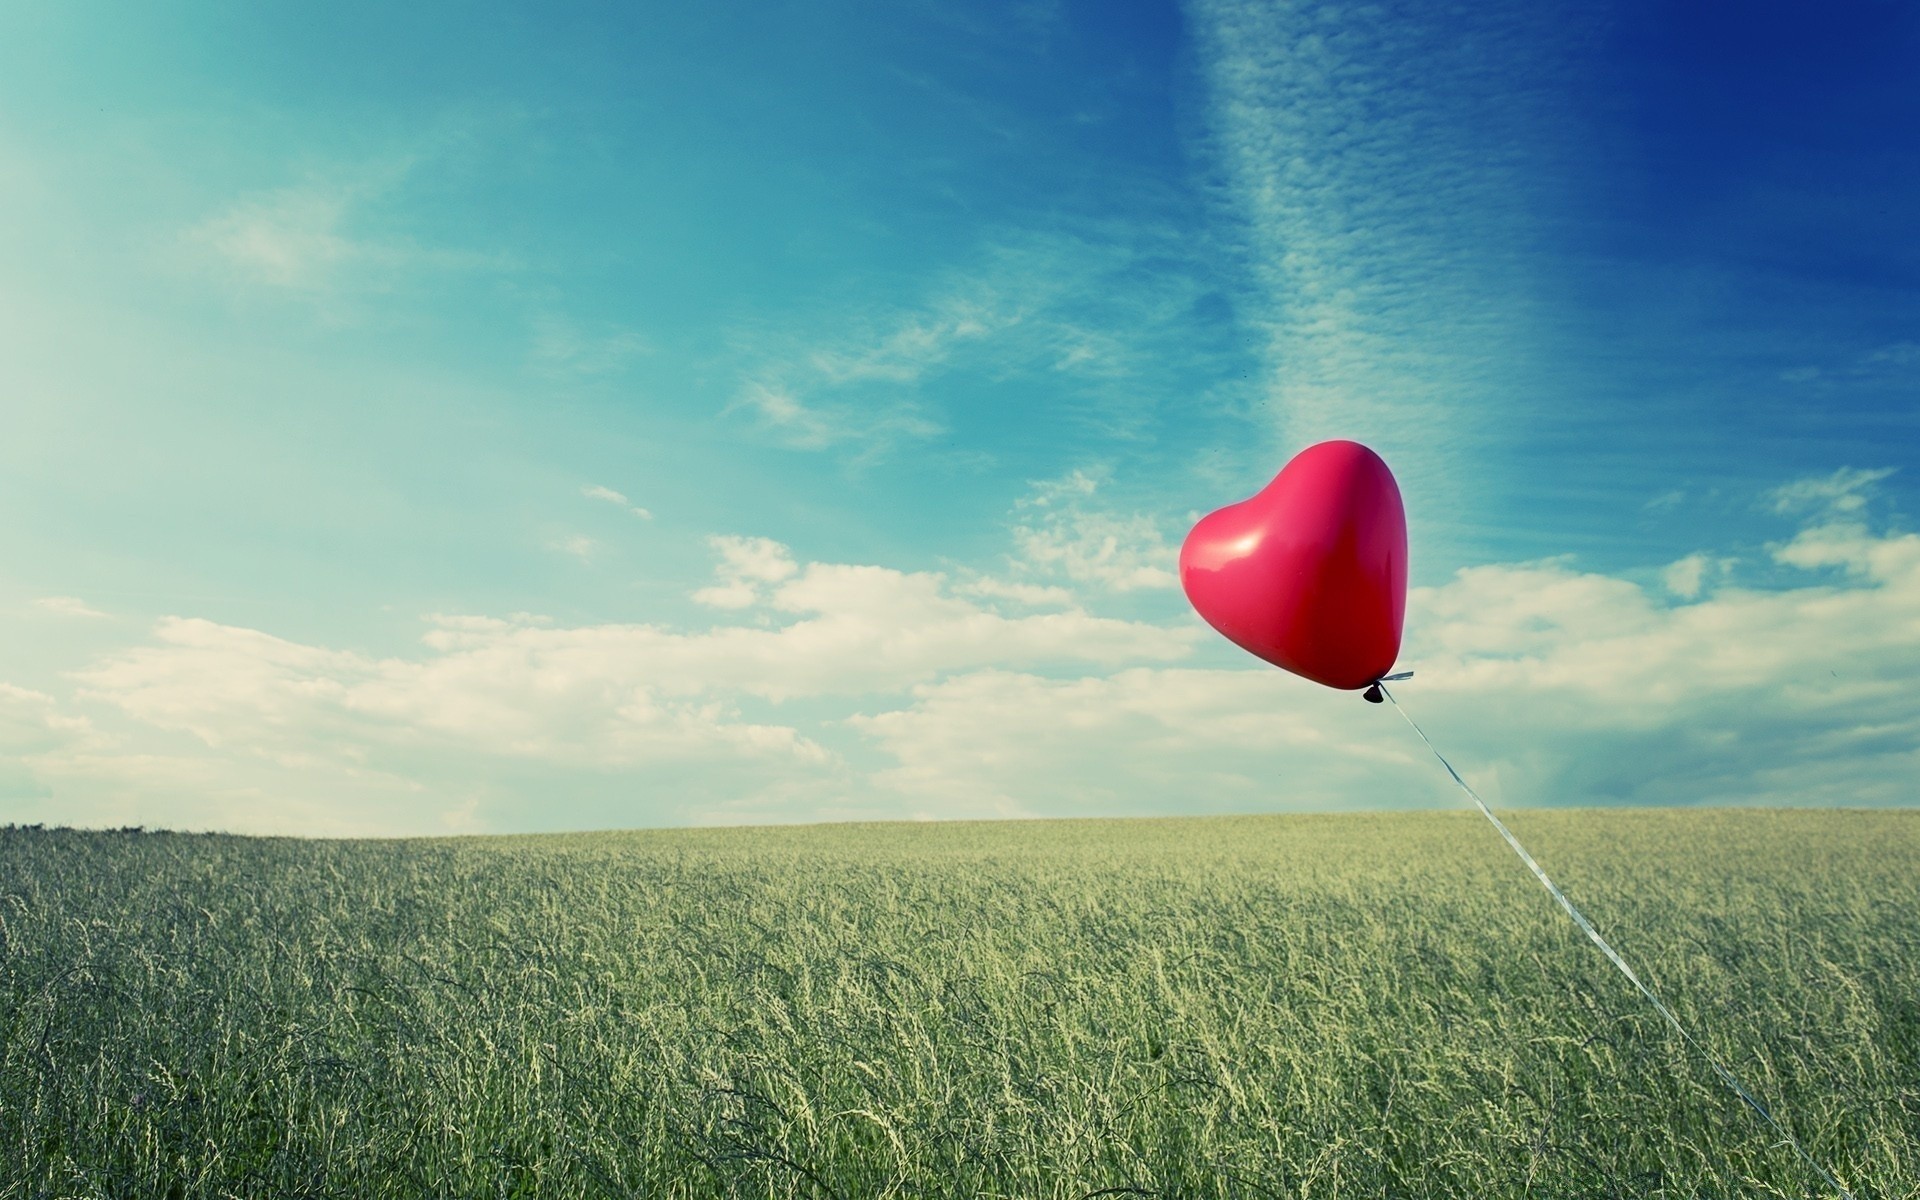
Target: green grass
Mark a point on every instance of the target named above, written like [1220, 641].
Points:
[1351, 1006]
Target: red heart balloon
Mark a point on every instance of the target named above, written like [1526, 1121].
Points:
[1311, 573]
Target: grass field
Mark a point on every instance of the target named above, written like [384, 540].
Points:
[1350, 1006]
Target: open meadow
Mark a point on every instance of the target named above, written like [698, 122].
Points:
[1324, 1006]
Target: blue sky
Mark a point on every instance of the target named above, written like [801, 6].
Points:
[438, 419]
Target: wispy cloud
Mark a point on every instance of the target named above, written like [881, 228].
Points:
[1845, 491]
[920, 343]
[332, 234]
[1102, 318]
[565, 346]
[67, 606]
[872, 434]
[290, 239]
[1887, 363]
[597, 491]
[1383, 159]
[579, 545]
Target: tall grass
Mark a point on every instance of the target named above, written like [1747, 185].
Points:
[1353, 1006]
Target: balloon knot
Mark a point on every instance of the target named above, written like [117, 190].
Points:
[1372, 694]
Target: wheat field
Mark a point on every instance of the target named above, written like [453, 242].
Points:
[1299, 1006]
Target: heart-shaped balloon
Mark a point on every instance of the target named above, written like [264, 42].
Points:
[1311, 573]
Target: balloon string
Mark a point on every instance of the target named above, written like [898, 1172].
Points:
[1579, 918]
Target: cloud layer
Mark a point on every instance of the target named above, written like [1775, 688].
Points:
[837, 689]
[1391, 169]
[1551, 685]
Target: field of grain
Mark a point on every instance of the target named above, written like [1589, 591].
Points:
[1337, 1006]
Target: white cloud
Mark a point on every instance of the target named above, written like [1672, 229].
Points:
[1033, 595]
[116, 783]
[569, 696]
[1685, 577]
[856, 690]
[1847, 490]
[597, 696]
[289, 239]
[39, 739]
[599, 492]
[998, 744]
[1061, 533]
[1547, 685]
[67, 606]
[863, 629]
[579, 545]
[325, 236]
[31, 723]
[1844, 544]
[746, 566]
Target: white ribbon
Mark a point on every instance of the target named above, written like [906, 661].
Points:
[1613, 956]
